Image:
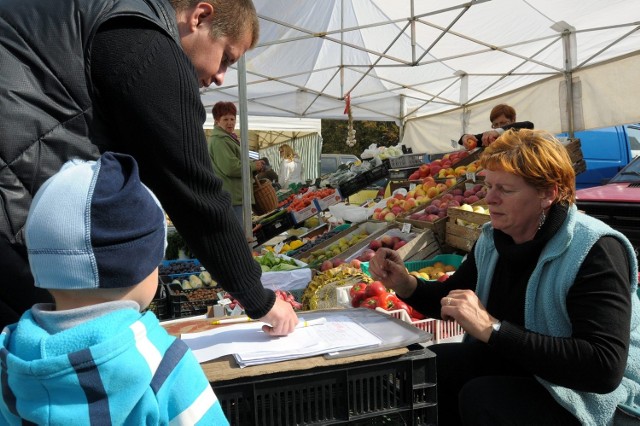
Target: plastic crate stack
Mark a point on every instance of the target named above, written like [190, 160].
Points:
[393, 391]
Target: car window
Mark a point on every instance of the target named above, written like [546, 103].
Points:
[328, 165]
[630, 173]
[634, 139]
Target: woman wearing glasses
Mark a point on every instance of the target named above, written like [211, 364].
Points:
[502, 117]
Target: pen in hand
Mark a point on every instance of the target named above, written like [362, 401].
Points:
[301, 324]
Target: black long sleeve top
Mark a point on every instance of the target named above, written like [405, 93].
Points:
[593, 359]
[516, 125]
[146, 91]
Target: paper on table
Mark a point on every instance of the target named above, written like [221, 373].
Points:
[250, 345]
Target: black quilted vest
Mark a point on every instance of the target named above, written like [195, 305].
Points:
[46, 106]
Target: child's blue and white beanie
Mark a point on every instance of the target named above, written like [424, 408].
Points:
[95, 225]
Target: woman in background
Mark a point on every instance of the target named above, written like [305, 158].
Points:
[224, 151]
[290, 167]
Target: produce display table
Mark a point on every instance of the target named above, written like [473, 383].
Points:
[397, 386]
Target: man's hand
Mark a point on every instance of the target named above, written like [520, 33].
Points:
[282, 318]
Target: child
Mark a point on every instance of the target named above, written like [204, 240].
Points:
[95, 237]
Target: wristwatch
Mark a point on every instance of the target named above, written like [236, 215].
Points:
[496, 326]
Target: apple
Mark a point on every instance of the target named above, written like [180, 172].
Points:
[399, 244]
[375, 245]
[432, 217]
[390, 217]
[338, 261]
[367, 255]
[355, 263]
[387, 241]
[471, 144]
[326, 265]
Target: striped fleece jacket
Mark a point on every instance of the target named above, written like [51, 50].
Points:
[121, 368]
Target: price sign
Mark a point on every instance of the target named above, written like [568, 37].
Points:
[471, 176]
[278, 247]
[406, 228]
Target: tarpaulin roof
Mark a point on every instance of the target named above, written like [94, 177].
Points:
[440, 60]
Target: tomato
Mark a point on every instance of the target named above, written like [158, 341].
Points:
[416, 315]
[357, 288]
[388, 301]
[357, 299]
[376, 288]
[402, 305]
[369, 302]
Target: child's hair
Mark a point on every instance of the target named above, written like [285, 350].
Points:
[95, 225]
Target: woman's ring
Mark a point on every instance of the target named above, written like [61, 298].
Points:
[448, 301]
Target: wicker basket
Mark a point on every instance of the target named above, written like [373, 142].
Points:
[265, 196]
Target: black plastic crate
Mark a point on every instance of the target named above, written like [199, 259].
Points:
[401, 174]
[353, 185]
[273, 228]
[398, 391]
[406, 160]
[160, 303]
[186, 303]
[377, 173]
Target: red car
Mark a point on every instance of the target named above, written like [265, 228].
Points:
[617, 202]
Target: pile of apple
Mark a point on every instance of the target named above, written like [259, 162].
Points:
[422, 194]
[387, 241]
[437, 208]
[442, 167]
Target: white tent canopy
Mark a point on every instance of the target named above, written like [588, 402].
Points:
[268, 131]
[439, 66]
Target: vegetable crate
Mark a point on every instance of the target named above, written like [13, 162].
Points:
[463, 228]
[407, 160]
[354, 185]
[160, 303]
[270, 228]
[442, 331]
[387, 391]
[186, 303]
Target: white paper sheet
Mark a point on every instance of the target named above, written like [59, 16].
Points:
[251, 346]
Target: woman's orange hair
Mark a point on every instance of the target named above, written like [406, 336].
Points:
[539, 158]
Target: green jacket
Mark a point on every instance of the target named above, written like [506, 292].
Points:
[224, 152]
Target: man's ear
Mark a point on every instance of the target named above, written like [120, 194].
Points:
[202, 14]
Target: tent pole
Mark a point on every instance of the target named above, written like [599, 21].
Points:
[244, 147]
[568, 78]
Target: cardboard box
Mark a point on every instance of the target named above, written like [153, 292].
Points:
[459, 235]
[304, 214]
[324, 203]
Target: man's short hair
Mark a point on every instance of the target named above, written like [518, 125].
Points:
[232, 18]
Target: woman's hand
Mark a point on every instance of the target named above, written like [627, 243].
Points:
[489, 136]
[469, 142]
[465, 307]
[388, 267]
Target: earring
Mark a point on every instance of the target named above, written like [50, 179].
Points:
[542, 219]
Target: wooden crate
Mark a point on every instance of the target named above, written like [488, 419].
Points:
[460, 236]
[574, 148]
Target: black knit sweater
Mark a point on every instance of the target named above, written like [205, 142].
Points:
[147, 92]
[593, 359]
